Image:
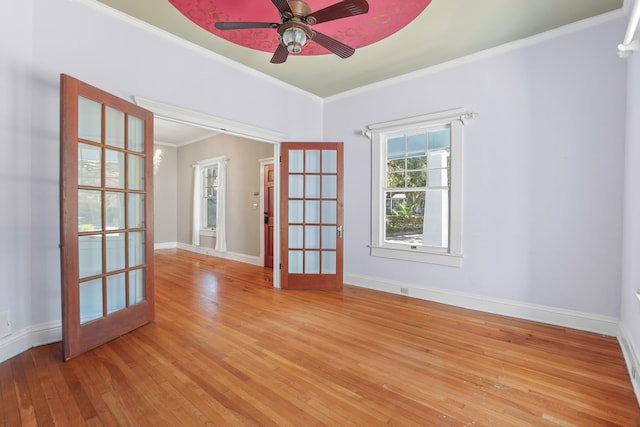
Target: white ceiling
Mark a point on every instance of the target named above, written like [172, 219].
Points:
[177, 134]
[445, 31]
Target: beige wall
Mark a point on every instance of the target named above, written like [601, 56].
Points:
[165, 193]
[243, 180]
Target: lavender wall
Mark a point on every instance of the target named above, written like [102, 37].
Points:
[542, 176]
[630, 306]
[16, 184]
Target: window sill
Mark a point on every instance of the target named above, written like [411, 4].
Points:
[448, 260]
[208, 233]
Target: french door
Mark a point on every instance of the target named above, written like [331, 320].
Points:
[106, 179]
[311, 215]
[269, 187]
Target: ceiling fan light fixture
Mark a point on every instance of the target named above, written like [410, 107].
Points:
[294, 38]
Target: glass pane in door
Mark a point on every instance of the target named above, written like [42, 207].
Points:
[89, 120]
[114, 127]
[90, 300]
[89, 165]
[116, 293]
[136, 286]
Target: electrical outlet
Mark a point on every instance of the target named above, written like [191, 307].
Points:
[5, 324]
[404, 291]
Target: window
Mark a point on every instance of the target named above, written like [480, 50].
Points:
[417, 188]
[209, 201]
[209, 197]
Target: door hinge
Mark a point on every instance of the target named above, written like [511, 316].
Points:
[280, 159]
[280, 266]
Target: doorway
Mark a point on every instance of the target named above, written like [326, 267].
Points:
[169, 113]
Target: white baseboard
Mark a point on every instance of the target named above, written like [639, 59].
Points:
[539, 313]
[233, 256]
[165, 245]
[631, 360]
[33, 336]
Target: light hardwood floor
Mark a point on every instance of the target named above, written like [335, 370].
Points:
[228, 349]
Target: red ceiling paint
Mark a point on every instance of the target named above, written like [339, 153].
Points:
[385, 17]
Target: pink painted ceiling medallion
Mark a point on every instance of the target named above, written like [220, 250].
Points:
[385, 17]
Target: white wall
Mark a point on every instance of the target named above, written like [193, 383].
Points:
[542, 176]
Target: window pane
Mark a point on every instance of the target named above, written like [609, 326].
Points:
[396, 165]
[312, 162]
[396, 180]
[405, 217]
[296, 161]
[312, 189]
[295, 237]
[312, 262]
[395, 147]
[211, 214]
[417, 163]
[329, 186]
[328, 262]
[89, 210]
[114, 210]
[436, 219]
[115, 252]
[136, 248]
[416, 179]
[329, 212]
[295, 262]
[116, 293]
[89, 120]
[114, 169]
[312, 212]
[312, 237]
[329, 161]
[296, 212]
[136, 134]
[114, 127]
[329, 237]
[90, 300]
[296, 186]
[89, 165]
[135, 210]
[417, 144]
[137, 287]
[89, 255]
[438, 178]
[440, 139]
[136, 172]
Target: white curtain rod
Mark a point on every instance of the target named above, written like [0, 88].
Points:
[629, 45]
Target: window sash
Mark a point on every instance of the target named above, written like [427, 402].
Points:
[380, 134]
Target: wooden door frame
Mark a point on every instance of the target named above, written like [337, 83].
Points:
[189, 117]
[263, 165]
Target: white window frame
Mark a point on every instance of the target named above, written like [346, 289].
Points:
[378, 133]
[198, 203]
[204, 230]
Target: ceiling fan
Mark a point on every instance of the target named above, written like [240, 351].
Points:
[295, 29]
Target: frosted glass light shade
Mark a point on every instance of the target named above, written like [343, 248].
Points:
[294, 39]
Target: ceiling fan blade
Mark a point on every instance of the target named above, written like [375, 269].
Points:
[283, 7]
[280, 55]
[244, 25]
[340, 10]
[335, 46]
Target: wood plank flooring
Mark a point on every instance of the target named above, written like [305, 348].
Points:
[227, 349]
